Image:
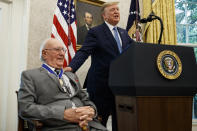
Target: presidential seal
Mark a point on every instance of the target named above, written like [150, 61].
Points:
[169, 64]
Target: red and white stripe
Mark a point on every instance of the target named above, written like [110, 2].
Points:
[60, 30]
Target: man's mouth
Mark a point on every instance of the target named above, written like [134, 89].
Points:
[60, 59]
[116, 16]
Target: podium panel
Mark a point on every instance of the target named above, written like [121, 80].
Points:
[156, 113]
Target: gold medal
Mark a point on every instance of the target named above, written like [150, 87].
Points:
[61, 82]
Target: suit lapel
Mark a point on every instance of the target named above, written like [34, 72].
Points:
[110, 37]
[74, 81]
[121, 33]
[53, 77]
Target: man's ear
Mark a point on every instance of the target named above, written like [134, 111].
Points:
[103, 16]
[44, 53]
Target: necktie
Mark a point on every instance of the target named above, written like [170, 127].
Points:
[62, 82]
[117, 39]
[65, 85]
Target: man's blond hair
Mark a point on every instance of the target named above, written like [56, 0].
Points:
[107, 4]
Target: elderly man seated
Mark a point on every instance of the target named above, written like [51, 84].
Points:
[54, 97]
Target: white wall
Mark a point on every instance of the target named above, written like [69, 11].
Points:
[40, 25]
[13, 58]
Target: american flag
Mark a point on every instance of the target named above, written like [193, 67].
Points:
[64, 27]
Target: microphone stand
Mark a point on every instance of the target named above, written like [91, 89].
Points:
[152, 17]
[161, 23]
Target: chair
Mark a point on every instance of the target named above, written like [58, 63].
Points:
[24, 125]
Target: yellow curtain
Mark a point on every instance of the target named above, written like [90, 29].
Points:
[165, 9]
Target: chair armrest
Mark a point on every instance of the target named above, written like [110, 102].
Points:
[37, 124]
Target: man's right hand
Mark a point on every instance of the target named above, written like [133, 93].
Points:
[68, 69]
[80, 115]
[71, 115]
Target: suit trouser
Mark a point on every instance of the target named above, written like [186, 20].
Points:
[105, 110]
[105, 115]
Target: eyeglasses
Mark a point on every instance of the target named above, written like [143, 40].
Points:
[57, 49]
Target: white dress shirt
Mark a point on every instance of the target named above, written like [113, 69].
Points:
[111, 29]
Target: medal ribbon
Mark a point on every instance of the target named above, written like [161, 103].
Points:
[51, 71]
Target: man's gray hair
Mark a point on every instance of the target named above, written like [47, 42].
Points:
[42, 48]
[107, 4]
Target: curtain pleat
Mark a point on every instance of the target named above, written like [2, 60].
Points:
[165, 9]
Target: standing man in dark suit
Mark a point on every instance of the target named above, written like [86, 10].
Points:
[55, 98]
[104, 43]
[83, 30]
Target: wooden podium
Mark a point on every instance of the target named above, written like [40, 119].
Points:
[146, 99]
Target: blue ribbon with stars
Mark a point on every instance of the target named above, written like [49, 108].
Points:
[52, 72]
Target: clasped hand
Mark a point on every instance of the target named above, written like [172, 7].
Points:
[80, 115]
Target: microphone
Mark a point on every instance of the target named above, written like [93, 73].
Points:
[148, 19]
[144, 20]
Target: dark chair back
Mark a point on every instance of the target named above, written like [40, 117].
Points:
[24, 125]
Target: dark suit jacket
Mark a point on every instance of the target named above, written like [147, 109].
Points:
[81, 34]
[102, 47]
[42, 98]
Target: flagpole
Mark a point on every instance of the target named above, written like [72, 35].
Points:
[136, 5]
[69, 39]
[136, 20]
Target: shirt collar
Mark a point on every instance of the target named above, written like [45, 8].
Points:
[110, 26]
[88, 27]
[53, 69]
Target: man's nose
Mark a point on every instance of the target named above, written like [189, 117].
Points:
[61, 52]
[116, 11]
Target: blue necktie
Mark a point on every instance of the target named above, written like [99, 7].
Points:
[117, 39]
